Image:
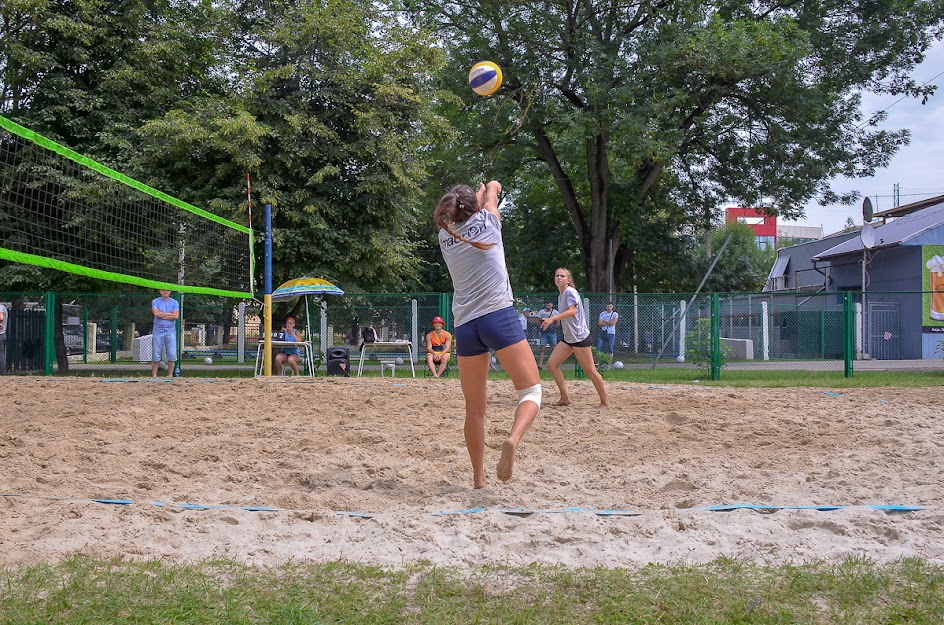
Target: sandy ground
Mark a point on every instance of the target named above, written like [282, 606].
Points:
[393, 450]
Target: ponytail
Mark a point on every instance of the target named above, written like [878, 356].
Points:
[455, 207]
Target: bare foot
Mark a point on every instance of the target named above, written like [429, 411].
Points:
[506, 463]
[476, 484]
[562, 402]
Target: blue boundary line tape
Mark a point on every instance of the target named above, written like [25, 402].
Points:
[516, 512]
[467, 511]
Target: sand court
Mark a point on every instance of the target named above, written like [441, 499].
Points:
[374, 470]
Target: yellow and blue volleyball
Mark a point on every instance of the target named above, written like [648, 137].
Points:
[485, 78]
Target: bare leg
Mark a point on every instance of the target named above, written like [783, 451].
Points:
[541, 363]
[170, 368]
[585, 358]
[293, 363]
[562, 352]
[442, 366]
[277, 365]
[518, 361]
[473, 375]
[154, 366]
[431, 364]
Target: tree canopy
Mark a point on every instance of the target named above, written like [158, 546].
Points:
[622, 126]
[670, 107]
[327, 105]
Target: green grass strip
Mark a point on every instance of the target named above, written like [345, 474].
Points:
[38, 139]
[851, 592]
[61, 265]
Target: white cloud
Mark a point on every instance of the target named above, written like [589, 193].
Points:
[916, 168]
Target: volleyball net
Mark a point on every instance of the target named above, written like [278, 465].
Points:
[64, 211]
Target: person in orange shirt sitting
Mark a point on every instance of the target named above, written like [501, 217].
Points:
[438, 346]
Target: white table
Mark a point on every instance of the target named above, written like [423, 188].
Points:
[388, 352]
[304, 346]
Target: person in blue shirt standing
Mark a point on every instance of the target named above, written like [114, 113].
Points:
[166, 311]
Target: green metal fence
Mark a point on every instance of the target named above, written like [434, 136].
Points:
[840, 331]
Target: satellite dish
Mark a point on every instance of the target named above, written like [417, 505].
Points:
[868, 236]
[867, 210]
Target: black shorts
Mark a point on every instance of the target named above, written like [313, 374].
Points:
[587, 342]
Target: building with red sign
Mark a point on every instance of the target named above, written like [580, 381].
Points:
[764, 226]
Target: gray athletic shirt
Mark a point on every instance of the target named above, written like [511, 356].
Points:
[575, 328]
[479, 277]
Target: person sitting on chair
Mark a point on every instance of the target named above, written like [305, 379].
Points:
[368, 335]
[291, 355]
[438, 345]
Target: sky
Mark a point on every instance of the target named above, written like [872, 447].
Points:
[917, 168]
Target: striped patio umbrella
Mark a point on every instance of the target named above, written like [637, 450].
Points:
[304, 286]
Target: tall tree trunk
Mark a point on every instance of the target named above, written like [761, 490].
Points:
[596, 254]
[593, 236]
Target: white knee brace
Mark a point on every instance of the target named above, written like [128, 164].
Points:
[532, 393]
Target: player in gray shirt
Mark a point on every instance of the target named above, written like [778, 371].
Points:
[485, 319]
[576, 341]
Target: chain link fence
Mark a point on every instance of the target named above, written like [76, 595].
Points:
[828, 331]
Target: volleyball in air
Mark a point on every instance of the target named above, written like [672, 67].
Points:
[485, 78]
[208, 361]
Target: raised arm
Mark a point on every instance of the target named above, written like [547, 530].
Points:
[487, 197]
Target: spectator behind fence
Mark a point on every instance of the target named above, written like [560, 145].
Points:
[523, 320]
[606, 342]
[368, 335]
[549, 336]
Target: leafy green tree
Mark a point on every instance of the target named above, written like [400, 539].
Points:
[332, 120]
[686, 101]
[87, 74]
[742, 267]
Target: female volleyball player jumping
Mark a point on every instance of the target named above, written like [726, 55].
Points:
[483, 307]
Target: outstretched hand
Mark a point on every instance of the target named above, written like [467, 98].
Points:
[489, 196]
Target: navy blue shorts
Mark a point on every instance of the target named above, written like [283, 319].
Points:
[496, 330]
